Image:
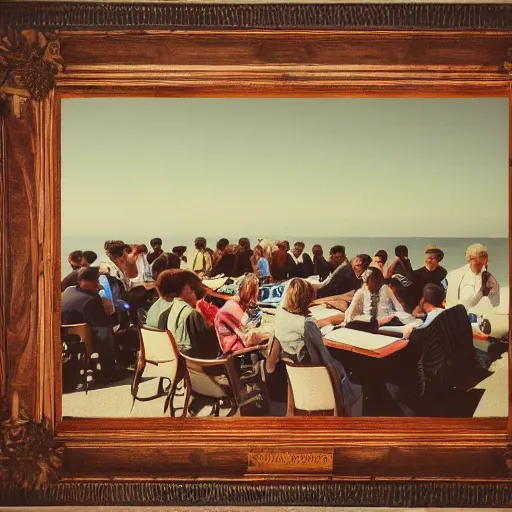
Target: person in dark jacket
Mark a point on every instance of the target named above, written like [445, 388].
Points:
[345, 278]
[156, 245]
[402, 264]
[243, 263]
[75, 260]
[337, 257]
[223, 259]
[431, 272]
[82, 304]
[298, 263]
[321, 267]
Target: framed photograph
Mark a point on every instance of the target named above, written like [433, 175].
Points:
[255, 254]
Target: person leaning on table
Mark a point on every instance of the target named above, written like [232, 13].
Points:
[431, 304]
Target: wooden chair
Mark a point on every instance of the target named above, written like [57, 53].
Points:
[84, 331]
[156, 350]
[223, 388]
[313, 390]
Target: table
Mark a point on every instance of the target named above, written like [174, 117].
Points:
[377, 345]
[339, 338]
[372, 345]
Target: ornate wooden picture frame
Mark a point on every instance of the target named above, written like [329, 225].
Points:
[52, 51]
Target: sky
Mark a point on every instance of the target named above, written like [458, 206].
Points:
[305, 166]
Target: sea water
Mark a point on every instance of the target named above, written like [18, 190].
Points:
[454, 248]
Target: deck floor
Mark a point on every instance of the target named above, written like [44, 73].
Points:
[115, 401]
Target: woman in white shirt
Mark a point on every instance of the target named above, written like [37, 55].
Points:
[374, 300]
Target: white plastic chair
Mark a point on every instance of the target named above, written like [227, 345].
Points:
[157, 351]
[313, 390]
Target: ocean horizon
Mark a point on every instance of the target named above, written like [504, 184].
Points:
[454, 248]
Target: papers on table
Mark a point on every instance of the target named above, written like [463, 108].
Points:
[321, 312]
[360, 339]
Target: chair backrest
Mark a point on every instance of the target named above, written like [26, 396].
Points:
[313, 388]
[85, 333]
[156, 345]
[200, 381]
[447, 350]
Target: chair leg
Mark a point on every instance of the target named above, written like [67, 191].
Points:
[188, 392]
[169, 401]
[86, 368]
[141, 365]
[180, 388]
[290, 402]
[234, 407]
[180, 377]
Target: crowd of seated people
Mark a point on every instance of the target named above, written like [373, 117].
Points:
[175, 298]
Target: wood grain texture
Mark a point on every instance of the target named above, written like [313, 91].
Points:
[3, 261]
[112, 16]
[379, 50]
[99, 61]
[355, 459]
[283, 64]
[22, 254]
[509, 461]
[218, 493]
[48, 222]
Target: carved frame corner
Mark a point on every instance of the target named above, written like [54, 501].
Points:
[30, 455]
[29, 62]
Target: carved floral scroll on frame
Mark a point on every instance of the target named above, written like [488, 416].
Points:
[29, 454]
[138, 61]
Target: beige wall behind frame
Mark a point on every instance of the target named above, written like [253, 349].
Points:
[172, 50]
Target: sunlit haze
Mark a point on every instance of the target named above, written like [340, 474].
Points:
[277, 167]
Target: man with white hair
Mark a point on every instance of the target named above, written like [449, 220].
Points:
[473, 285]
